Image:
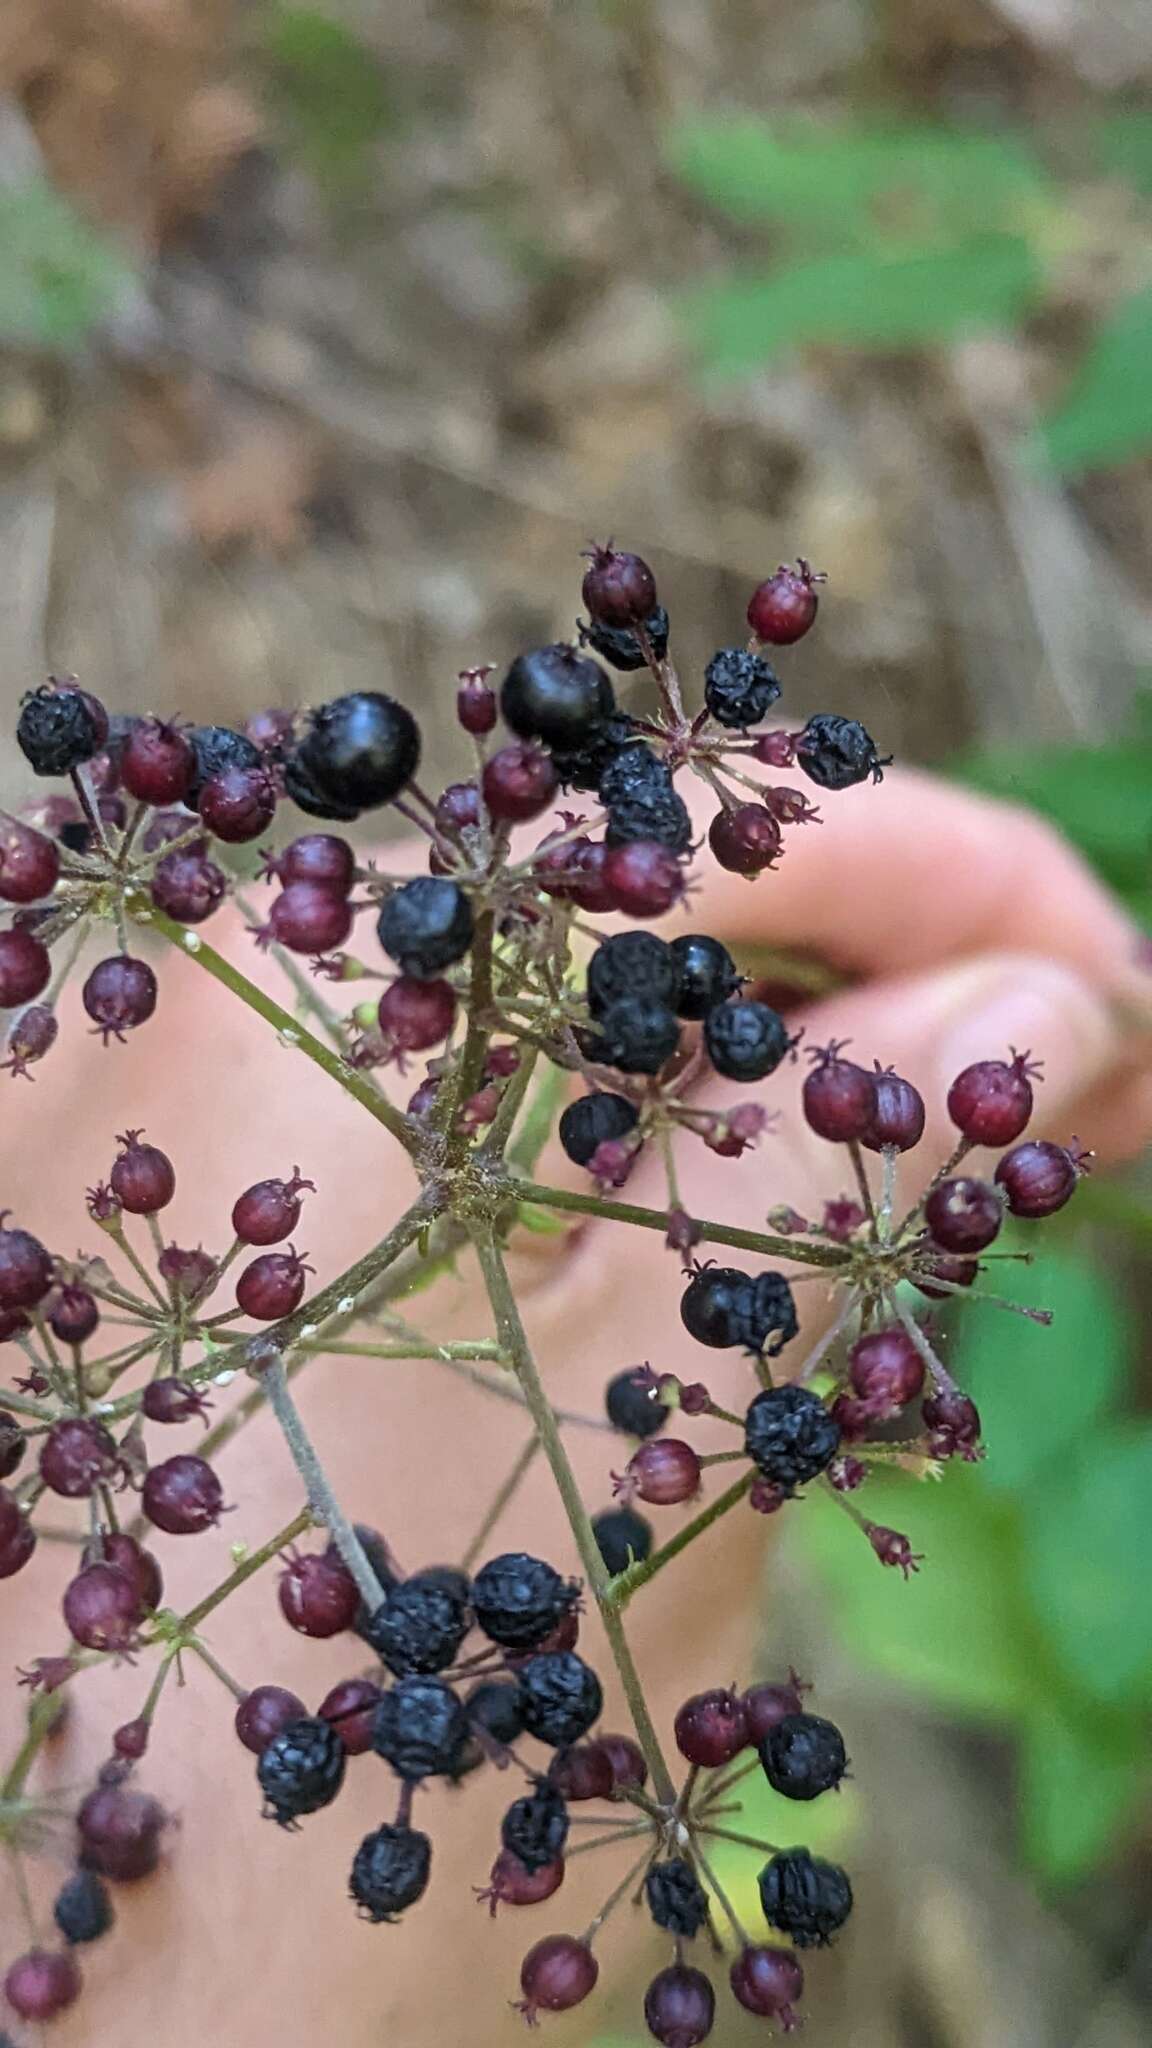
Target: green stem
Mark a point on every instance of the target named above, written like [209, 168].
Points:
[217, 1669]
[325, 1506]
[622, 1587]
[470, 1071]
[657, 1219]
[254, 1562]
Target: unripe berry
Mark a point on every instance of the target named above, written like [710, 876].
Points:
[619, 589]
[263, 1712]
[319, 857]
[476, 703]
[17, 1536]
[664, 1472]
[238, 804]
[745, 840]
[963, 1214]
[156, 763]
[351, 1708]
[120, 1831]
[953, 1272]
[765, 1706]
[183, 1496]
[768, 1981]
[30, 1036]
[42, 1983]
[679, 2006]
[130, 1740]
[839, 1097]
[75, 1315]
[414, 1015]
[898, 1118]
[143, 1178]
[712, 1727]
[171, 1400]
[309, 918]
[1038, 1177]
[519, 782]
[953, 1422]
[318, 1595]
[102, 1608]
[629, 1770]
[187, 1271]
[119, 994]
[783, 608]
[25, 1269]
[893, 1549]
[25, 967]
[137, 1564]
[990, 1102]
[268, 1211]
[644, 879]
[77, 1456]
[886, 1371]
[13, 1444]
[273, 1285]
[511, 1883]
[187, 886]
[557, 1974]
[29, 863]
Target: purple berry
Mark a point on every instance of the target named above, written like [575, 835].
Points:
[712, 1727]
[102, 1608]
[77, 1456]
[414, 1015]
[679, 2006]
[511, 1883]
[745, 840]
[886, 1371]
[583, 1772]
[518, 782]
[319, 857]
[898, 1118]
[43, 1983]
[13, 1444]
[1038, 1177]
[765, 1706]
[263, 1712]
[990, 1102]
[953, 1423]
[955, 1272]
[783, 608]
[629, 1770]
[557, 1974]
[644, 878]
[663, 1472]
[187, 886]
[318, 1595]
[768, 1981]
[309, 918]
[183, 1496]
[619, 589]
[269, 1211]
[143, 1178]
[963, 1214]
[25, 967]
[138, 1565]
[29, 863]
[273, 1285]
[475, 702]
[351, 1707]
[119, 994]
[171, 1400]
[17, 1536]
[25, 1269]
[188, 1272]
[839, 1097]
[130, 1740]
[120, 1831]
[30, 1036]
[893, 1549]
[156, 763]
[75, 1315]
[238, 804]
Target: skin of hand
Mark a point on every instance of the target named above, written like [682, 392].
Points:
[965, 927]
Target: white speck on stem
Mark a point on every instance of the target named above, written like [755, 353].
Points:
[223, 1379]
[289, 1038]
[192, 942]
[346, 1304]
[309, 1329]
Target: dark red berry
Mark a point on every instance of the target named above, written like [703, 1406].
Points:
[679, 2006]
[511, 1883]
[273, 1285]
[458, 808]
[886, 1371]
[269, 1211]
[583, 1772]
[619, 589]
[475, 702]
[1038, 1177]
[768, 1981]
[351, 1708]
[319, 857]
[25, 1269]
[589, 888]
[102, 1608]
[318, 1595]
[156, 763]
[42, 1983]
[17, 1536]
[25, 967]
[130, 1740]
[143, 1178]
[783, 608]
[30, 1036]
[855, 1419]
[898, 1118]
[263, 1712]
[952, 1272]
[990, 1102]
[309, 918]
[187, 1271]
[664, 1472]
[238, 804]
[183, 1496]
[119, 994]
[839, 1097]
[137, 1564]
[629, 1770]
[745, 840]
[644, 878]
[77, 1456]
[75, 1315]
[29, 863]
[712, 1727]
[556, 1975]
[953, 1423]
[174, 1400]
[963, 1214]
[120, 1832]
[893, 1549]
[765, 1706]
[13, 1444]
[519, 781]
[414, 1015]
[187, 886]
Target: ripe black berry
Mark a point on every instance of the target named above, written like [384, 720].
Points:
[676, 1899]
[83, 1909]
[594, 1120]
[417, 1627]
[649, 807]
[619, 644]
[496, 1705]
[301, 785]
[632, 771]
[535, 1828]
[301, 1770]
[790, 1435]
[60, 728]
[745, 1040]
[17, 1536]
[582, 767]
[216, 748]
[426, 926]
[1038, 1177]
[556, 694]
[13, 1444]
[362, 750]
[633, 1404]
[807, 1899]
[716, 1306]
[622, 1537]
[705, 974]
[389, 1872]
[739, 687]
[679, 2007]
[119, 994]
[803, 1755]
[637, 1035]
[518, 1600]
[837, 752]
[631, 964]
[561, 1697]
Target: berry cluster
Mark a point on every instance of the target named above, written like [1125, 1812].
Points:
[486, 962]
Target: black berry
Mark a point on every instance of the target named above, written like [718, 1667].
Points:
[593, 1121]
[426, 926]
[83, 1910]
[582, 767]
[716, 1306]
[633, 1404]
[216, 748]
[619, 644]
[301, 785]
[417, 1627]
[556, 694]
[637, 1035]
[739, 687]
[518, 1600]
[535, 1827]
[496, 1705]
[362, 750]
[807, 1899]
[301, 1770]
[706, 974]
[420, 1728]
[676, 1899]
[803, 1755]
[622, 1537]
[632, 964]
[390, 1872]
[560, 1697]
[745, 1040]
[59, 729]
[837, 752]
[790, 1436]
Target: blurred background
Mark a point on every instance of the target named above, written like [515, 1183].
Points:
[328, 335]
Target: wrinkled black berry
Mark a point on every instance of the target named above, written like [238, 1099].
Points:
[83, 1910]
[417, 1627]
[633, 1404]
[806, 1898]
[837, 752]
[389, 1872]
[425, 926]
[658, 815]
[637, 1035]
[622, 1537]
[803, 1755]
[582, 767]
[716, 1306]
[790, 1436]
[496, 1705]
[619, 645]
[739, 687]
[706, 974]
[560, 1697]
[772, 1319]
[420, 1727]
[745, 1041]
[592, 1121]
[216, 748]
[57, 731]
[632, 771]
[535, 1828]
[518, 1600]
[362, 749]
[307, 795]
[301, 1769]
[676, 1899]
[631, 964]
[556, 694]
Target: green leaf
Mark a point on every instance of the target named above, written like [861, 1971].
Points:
[60, 276]
[1106, 416]
[1087, 1541]
[332, 90]
[1100, 796]
[539, 1119]
[866, 301]
[1080, 1776]
[1124, 145]
[959, 1630]
[541, 1222]
[1039, 1390]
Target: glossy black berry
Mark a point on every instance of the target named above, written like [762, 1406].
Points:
[301, 1770]
[496, 1705]
[560, 1697]
[706, 974]
[362, 749]
[745, 1040]
[420, 1728]
[637, 1035]
[417, 1627]
[619, 645]
[771, 1320]
[83, 1910]
[426, 926]
[790, 1436]
[807, 1899]
[556, 694]
[803, 1755]
[739, 687]
[216, 748]
[595, 1120]
[631, 964]
[633, 1404]
[837, 752]
[716, 1306]
[582, 767]
[390, 1872]
[535, 1828]
[13, 1444]
[301, 785]
[622, 1537]
[657, 815]
[59, 729]
[518, 1600]
[676, 1899]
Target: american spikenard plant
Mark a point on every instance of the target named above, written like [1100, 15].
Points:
[484, 964]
